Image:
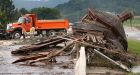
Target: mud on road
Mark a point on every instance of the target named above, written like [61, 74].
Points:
[132, 32]
[7, 68]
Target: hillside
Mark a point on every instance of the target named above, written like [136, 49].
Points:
[74, 9]
[29, 4]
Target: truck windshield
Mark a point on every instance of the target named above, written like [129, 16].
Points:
[21, 20]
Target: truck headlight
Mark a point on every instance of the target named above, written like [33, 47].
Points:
[9, 26]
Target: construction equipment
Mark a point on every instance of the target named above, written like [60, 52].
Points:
[26, 22]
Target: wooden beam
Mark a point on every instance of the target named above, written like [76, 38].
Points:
[51, 55]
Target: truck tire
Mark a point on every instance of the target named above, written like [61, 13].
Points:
[62, 32]
[16, 35]
[52, 33]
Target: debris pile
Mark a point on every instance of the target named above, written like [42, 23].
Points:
[101, 34]
[108, 26]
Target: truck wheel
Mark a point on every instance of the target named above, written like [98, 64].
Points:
[52, 33]
[62, 32]
[16, 35]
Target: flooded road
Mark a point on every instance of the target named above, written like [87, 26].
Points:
[136, 69]
[132, 32]
[6, 68]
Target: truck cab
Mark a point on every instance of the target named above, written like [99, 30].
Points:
[16, 29]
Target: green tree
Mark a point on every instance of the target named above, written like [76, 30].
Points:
[75, 9]
[46, 13]
[7, 7]
[17, 14]
[23, 11]
[2, 19]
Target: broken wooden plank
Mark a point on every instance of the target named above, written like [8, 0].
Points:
[51, 55]
[112, 61]
[25, 50]
[30, 58]
[80, 66]
[93, 39]
[46, 41]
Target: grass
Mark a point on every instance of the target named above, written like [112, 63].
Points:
[134, 46]
[134, 74]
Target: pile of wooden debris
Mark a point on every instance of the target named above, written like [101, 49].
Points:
[101, 34]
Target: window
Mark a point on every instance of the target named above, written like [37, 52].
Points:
[21, 20]
[27, 20]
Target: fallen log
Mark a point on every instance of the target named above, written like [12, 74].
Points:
[52, 54]
[28, 49]
[112, 61]
[30, 58]
[46, 41]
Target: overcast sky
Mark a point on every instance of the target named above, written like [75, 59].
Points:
[29, 4]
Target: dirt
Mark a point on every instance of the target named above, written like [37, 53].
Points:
[9, 42]
[17, 69]
[104, 71]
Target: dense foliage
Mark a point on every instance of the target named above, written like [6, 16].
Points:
[76, 8]
[46, 13]
[7, 10]
[41, 12]
[2, 19]
[23, 11]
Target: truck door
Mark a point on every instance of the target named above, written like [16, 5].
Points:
[28, 24]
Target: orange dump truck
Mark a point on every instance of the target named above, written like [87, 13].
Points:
[26, 22]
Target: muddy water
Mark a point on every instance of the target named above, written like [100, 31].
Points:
[6, 68]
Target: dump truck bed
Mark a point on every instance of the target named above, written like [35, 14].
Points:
[52, 24]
